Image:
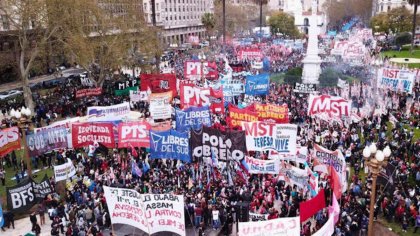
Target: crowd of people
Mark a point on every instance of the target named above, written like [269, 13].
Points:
[213, 202]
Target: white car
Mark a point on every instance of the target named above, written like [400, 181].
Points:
[10, 94]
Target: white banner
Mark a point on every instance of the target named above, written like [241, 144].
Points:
[64, 171]
[150, 213]
[160, 105]
[277, 227]
[118, 110]
[396, 79]
[257, 166]
[137, 96]
[327, 229]
[261, 136]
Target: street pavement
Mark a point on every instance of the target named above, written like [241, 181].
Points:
[40, 79]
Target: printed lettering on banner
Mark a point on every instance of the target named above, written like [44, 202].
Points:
[258, 217]
[159, 83]
[160, 105]
[223, 145]
[21, 197]
[9, 140]
[47, 140]
[396, 79]
[196, 70]
[85, 81]
[88, 92]
[232, 87]
[250, 54]
[262, 136]
[123, 87]
[42, 189]
[85, 134]
[257, 84]
[192, 95]
[257, 166]
[137, 96]
[330, 105]
[272, 113]
[64, 171]
[118, 110]
[134, 134]
[192, 117]
[170, 145]
[289, 226]
[238, 115]
[304, 88]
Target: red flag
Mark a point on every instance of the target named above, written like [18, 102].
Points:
[311, 207]
[133, 151]
[335, 182]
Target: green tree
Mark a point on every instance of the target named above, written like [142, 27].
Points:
[293, 76]
[414, 3]
[328, 78]
[403, 38]
[284, 23]
[396, 21]
[209, 22]
[337, 10]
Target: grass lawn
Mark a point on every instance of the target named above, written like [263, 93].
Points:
[404, 54]
[277, 78]
[396, 228]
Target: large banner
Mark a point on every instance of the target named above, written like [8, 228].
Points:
[196, 70]
[258, 166]
[209, 142]
[262, 136]
[47, 140]
[137, 96]
[250, 54]
[134, 134]
[192, 95]
[9, 140]
[160, 105]
[193, 117]
[289, 226]
[151, 213]
[64, 171]
[238, 115]
[42, 189]
[332, 106]
[396, 79]
[124, 87]
[118, 110]
[85, 134]
[158, 83]
[257, 84]
[88, 92]
[232, 87]
[217, 101]
[272, 113]
[170, 145]
[328, 228]
[304, 88]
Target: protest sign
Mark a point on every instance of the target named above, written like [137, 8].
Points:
[250, 54]
[196, 70]
[42, 189]
[288, 226]
[159, 83]
[224, 146]
[160, 105]
[271, 112]
[261, 136]
[20, 198]
[330, 105]
[47, 140]
[232, 87]
[85, 134]
[9, 140]
[304, 88]
[118, 110]
[134, 134]
[85, 81]
[64, 171]
[192, 95]
[124, 87]
[328, 228]
[257, 166]
[396, 79]
[137, 96]
[217, 101]
[257, 84]
[238, 115]
[170, 145]
[292, 177]
[258, 217]
[192, 117]
[88, 92]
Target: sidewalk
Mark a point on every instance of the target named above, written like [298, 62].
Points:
[24, 226]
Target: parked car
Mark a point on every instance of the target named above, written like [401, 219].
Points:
[10, 94]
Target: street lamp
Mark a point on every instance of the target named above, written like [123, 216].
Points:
[22, 118]
[377, 64]
[202, 58]
[375, 160]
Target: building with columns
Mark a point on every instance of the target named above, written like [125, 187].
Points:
[178, 19]
[379, 6]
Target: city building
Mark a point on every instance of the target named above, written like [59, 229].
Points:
[178, 19]
[379, 6]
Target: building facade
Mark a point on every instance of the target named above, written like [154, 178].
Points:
[379, 6]
[178, 19]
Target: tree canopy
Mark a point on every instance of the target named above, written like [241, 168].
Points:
[284, 23]
[337, 10]
[396, 21]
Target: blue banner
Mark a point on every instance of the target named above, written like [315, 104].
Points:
[170, 145]
[192, 117]
[257, 84]
[1, 217]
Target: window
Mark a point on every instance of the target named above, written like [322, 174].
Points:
[157, 6]
[145, 6]
[5, 22]
[389, 8]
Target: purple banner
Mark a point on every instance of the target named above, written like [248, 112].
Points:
[46, 140]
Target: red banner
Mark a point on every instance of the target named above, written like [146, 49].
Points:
[311, 207]
[192, 95]
[88, 92]
[158, 83]
[250, 54]
[195, 70]
[135, 134]
[236, 115]
[217, 101]
[85, 134]
[9, 140]
[272, 113]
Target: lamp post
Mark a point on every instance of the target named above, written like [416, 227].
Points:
[202, 58]
[377, 64]
[375, 161]
[22, 118]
